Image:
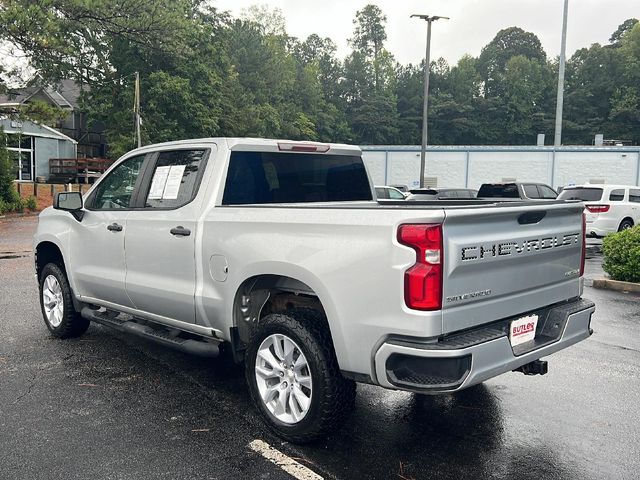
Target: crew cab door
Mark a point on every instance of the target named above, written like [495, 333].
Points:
[161, 235]
[96, 245]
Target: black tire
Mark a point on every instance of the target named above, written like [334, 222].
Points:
[333, 395]
[72, 324]
[625, 224]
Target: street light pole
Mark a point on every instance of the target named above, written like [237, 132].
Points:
[425, 106]
[557, 141]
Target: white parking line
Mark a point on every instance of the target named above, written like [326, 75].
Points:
[287, 464]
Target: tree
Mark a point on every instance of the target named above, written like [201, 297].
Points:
[8, 195]
[622, 29]
[508, 43]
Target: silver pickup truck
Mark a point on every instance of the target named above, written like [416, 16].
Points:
[278, 252]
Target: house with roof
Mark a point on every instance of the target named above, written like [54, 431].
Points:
[65, 95]
[32, 145]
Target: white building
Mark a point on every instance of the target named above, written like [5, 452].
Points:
[31, 145]
[471, 166]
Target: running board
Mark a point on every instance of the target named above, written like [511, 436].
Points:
[200, 348]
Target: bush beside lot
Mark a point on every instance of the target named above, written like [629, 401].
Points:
[622, 255]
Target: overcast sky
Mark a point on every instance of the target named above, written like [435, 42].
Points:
[473, 22]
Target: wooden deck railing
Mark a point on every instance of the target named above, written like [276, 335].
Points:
[72, 170]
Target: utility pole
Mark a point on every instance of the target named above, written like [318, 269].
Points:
[425, 106]
[136, 109]
[557, 141]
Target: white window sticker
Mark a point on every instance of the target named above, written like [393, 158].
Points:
[174, 180]
[158, 183]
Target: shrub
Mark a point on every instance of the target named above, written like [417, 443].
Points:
[31, 203]
[4, 207]
[622, 255]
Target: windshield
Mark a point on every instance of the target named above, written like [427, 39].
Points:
[580, 193]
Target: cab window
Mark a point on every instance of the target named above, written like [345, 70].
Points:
[547, 192]
[395, 194]
[531, 191]
[115, 191]
[174, 178]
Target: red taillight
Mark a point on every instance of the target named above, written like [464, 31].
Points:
[423, 281]
[598, 208]
[584, 242]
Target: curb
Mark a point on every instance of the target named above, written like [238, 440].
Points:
[608, 284]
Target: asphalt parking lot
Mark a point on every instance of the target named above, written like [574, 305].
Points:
[111, 406]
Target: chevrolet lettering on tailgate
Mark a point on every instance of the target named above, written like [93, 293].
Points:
[479, 252]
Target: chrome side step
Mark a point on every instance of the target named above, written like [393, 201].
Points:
[169, 337]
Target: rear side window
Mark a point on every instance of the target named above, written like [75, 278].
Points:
[175, 178]
[382, 193]
[531, 191]
[547, 192]
[584, 194]
[264, 177]
[394, 194]
[634, 195]
[507, 190]
[616, 195]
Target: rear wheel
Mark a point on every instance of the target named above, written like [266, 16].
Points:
[625, 224]
[56, 302]
[294, 378]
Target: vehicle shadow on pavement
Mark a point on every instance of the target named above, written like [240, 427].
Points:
[412, 436]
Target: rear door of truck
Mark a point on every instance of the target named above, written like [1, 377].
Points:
[508, 260]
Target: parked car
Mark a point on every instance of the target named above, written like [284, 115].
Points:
[389, 193]
[441, 194]
[402, 188]
[278, 251]
[608, 208]
[521, 190]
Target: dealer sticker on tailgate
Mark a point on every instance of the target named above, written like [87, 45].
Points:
[523, 329]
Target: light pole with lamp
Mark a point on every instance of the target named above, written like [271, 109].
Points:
[427, 70]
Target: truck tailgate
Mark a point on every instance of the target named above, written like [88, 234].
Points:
[508, 260]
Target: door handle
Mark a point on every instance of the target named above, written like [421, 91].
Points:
[114, 227]
[180, 231]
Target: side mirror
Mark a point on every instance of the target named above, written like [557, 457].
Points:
[69, 202]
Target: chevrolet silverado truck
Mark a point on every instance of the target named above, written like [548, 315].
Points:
[277, 253]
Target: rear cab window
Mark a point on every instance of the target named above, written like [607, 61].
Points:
[507, 190]
[270, 177]
[586, 194]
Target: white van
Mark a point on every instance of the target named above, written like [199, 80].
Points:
[608, 208]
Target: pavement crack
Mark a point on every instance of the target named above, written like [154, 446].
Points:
[619, 347]
[32, 383]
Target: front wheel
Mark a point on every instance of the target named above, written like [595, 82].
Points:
[294, 378]
[56, 303]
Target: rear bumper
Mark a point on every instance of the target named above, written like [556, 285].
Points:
[601, 227]
[462, 360]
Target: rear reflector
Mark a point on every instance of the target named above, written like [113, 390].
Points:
[598, 208]
[303, 147]
[423, 281]
[584, 243]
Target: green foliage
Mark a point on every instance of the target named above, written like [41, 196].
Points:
[7, 173]
[622, 255]
[204, 73]
[31, 203]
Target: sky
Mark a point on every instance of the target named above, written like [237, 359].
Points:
[473, 23]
